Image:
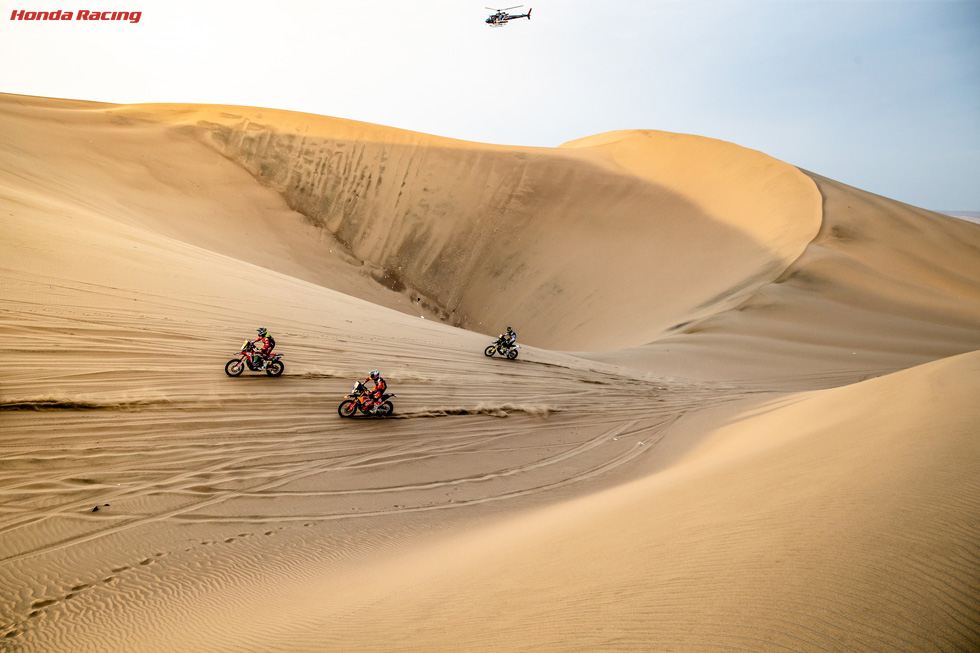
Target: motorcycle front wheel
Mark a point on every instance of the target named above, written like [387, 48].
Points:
[234, 367]
[275, 368]
[347, 408]
[490, 351]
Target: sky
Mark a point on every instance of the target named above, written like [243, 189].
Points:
[883, 95]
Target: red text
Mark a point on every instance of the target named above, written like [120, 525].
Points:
[82, 14]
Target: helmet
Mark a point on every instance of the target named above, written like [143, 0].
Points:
[262, 331]
[509, 330]
[375, 374]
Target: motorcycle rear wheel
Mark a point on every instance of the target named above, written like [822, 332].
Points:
[512, 354]
[385, 409]
[490, 351]
[234, 367]
[347, 408]
[275, 368]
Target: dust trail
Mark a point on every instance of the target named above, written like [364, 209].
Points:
[318, 374]
[494, 411]
[77, 404]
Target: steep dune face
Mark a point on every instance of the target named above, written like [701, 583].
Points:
[883, 286]
[77, 157]
[602, 243]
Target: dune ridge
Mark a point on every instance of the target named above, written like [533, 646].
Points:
[473, 229]
[769, 444]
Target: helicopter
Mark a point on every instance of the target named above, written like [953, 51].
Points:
[500, 17]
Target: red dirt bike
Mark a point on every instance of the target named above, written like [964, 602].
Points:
[360, 399]
[250, 358]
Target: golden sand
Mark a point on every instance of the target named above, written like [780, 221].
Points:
[743, 417]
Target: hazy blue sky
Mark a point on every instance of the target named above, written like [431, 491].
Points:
[880, 94]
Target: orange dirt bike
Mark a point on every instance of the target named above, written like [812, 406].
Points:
[499, 347]
[360, 400]
[249, 358]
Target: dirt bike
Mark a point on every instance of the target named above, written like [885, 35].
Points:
[360, 400]
[251, 359]
[499, 347]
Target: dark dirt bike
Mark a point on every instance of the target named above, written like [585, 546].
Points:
[360, 400]
[250, 359]
[499, 347]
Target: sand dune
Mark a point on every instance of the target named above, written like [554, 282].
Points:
[486, 234]
[882, 287]
[743, 417]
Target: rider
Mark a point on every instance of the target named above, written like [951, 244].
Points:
[379, 387]
[508, 338]
[267, 342]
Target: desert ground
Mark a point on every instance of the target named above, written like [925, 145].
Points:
[744, 415]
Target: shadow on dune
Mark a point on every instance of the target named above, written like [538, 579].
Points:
[883, 286]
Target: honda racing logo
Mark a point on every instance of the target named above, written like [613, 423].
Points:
[81, 14]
